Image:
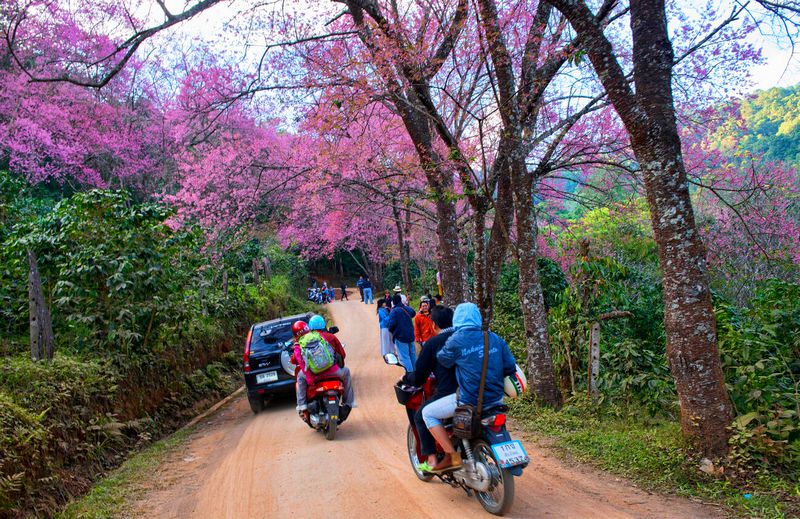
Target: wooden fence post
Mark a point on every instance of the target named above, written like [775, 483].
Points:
[41, 327]
[594, 346]
[594, 358]
[267, 267]
[255, 271]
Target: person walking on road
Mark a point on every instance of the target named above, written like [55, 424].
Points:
[360, 285]
[401, 326]
[387, 346]
[344, 292]
[367, 291]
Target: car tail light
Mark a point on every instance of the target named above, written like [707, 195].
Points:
[246, 356]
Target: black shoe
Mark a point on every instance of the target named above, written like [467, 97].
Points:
[344, 412]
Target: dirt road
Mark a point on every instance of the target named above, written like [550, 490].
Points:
[241, 465]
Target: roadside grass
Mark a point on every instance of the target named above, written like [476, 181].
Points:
[112, 495]
[649, 452]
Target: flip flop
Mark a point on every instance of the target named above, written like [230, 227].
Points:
[424, 467]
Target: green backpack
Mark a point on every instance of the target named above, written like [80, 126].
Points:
[316, 352]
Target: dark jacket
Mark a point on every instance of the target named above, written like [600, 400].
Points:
[446, 383]
[401, 324]
[464, 350]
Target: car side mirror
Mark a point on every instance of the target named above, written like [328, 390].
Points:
[391, 359]
[333, 329]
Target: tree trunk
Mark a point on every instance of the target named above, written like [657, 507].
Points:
[649, 117]
[402, 245]
[41, 327]
[689, 319]
[688, 315]
[541, 376]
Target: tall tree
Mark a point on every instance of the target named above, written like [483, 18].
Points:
[649, 117]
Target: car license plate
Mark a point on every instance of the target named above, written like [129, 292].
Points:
[509, 454]
[269, 376]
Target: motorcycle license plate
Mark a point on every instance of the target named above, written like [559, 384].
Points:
[510, 454]
[269, 376]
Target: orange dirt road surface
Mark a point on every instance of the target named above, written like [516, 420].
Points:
[272, 465]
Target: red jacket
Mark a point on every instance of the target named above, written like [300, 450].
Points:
[423, 327]
[297, 358]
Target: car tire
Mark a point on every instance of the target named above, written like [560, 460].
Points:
[256, 403]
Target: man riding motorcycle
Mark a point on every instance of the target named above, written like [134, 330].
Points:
[306, 377]
[464, 350]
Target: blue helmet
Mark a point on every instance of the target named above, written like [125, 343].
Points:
[317, 323]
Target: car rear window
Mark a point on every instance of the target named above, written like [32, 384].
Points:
[270, 338]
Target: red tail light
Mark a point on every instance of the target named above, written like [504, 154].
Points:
[495, 422]
[329, 385]
[246, 356]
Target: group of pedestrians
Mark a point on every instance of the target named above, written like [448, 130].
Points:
[402, 327]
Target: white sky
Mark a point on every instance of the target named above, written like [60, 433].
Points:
[781, 66]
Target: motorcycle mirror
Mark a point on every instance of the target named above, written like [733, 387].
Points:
[391, 359]
[333, 329]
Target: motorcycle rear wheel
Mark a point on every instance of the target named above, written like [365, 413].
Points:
[411, 443]
[330, 430]
[500, 497]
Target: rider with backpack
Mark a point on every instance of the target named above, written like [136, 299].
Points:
[319, 354]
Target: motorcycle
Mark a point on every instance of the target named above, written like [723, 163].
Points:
[490, 460]
[325, 410]
[315, 295]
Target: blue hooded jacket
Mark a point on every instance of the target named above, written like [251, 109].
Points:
[464, 349]
[400, 323]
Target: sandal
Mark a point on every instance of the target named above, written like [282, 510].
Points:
[448, 463]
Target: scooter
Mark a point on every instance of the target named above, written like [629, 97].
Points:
[490, 460]
[324, 397]
[325, 409]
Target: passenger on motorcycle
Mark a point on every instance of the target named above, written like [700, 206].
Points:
[464, 350]
[306, 377]
[446, 383]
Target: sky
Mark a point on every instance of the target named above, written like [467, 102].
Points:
[781, 65]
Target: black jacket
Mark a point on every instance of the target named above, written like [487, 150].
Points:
[446, 383]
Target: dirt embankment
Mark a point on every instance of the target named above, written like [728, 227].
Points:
[272, 465]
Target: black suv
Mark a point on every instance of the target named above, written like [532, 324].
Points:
[267, 359]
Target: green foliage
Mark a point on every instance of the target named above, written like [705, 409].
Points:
[760, 349]
[627, 440]
[112, 269]
[23, 451]
[770, 128]
[144, 333]
[508, 313]
[615, 267]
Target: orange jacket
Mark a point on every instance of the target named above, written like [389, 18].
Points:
[423, 327]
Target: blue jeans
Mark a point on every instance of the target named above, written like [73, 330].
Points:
[407, 353]
[434, 412]
[367, 296]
